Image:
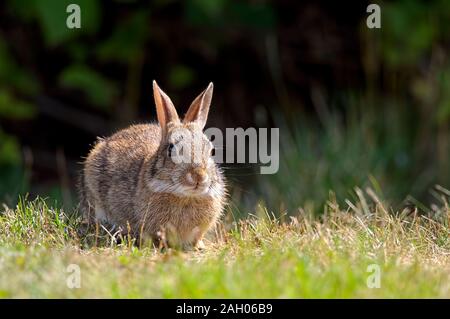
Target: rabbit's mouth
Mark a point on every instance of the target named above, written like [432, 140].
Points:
[198, 190]
[180, 189]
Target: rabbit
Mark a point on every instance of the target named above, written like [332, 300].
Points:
[131, 179]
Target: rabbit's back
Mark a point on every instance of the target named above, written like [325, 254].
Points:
[111, 171]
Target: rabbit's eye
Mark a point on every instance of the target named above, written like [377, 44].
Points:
[169, 149]
[213, 151]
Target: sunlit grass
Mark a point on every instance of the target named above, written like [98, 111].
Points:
[261, 256]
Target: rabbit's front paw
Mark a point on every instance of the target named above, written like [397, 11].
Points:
[200, 245]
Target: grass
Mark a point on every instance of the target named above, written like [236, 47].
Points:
[334, 156]
[260, 257]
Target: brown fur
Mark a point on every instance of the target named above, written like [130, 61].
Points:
[121, 171]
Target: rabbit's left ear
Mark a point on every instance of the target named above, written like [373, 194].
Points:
[198, 111]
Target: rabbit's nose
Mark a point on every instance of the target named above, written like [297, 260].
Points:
[197, 176]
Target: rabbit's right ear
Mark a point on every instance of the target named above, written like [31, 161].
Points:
[165, 109]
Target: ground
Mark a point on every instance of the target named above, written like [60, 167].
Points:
[363, 250]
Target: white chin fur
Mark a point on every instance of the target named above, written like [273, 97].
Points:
[159, 186]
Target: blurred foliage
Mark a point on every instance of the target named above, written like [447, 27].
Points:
[12, 108]
[13, 75]
[235, 13]
[9, 150]
[98, 89]
[412, 31]
[414, 28]
[443, 87]
[180, 76]
[393, 137]
[51, 16]
[364, 150]
[12, 178]
[127, 39]
[416, 46]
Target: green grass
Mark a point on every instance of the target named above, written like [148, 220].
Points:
[361, 149]
[260, 257]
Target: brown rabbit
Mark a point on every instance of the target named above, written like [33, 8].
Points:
[157, 179]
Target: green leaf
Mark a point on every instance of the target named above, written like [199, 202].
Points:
[225, 12]
[9, 150]
[443, 113]
[127, 40]
[52, 17]
[253, 15]
[15, 76]
[205, 12]
[97, 88]
[411, 31]
[13, 108]
[181, 76]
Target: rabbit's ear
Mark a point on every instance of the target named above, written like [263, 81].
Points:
[165, 109]
[198, 111]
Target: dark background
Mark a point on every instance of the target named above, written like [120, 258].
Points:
[356, 107]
